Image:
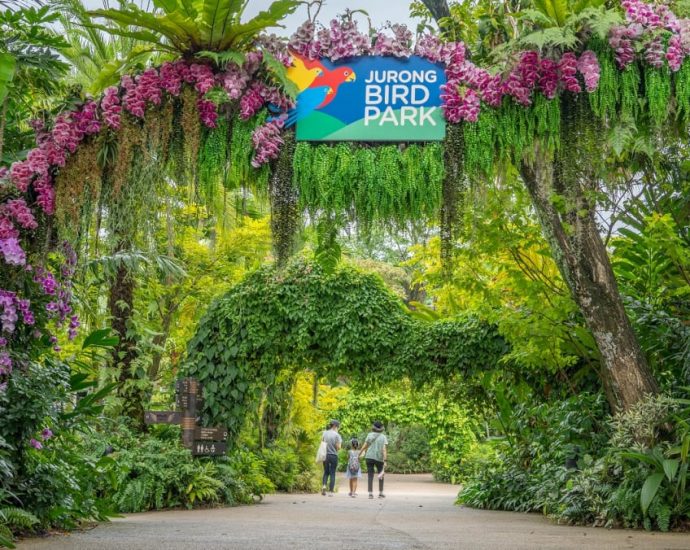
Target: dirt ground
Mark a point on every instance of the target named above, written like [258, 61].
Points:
[416, 514]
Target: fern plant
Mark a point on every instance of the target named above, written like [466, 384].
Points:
[14, 519]
[188, 27]
[562, 23]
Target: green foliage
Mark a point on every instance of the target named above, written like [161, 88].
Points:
[153, 472]
[384, 184]
[301, 316]
[55, 483]
[409, 450]
[427, 431]
[657, 87]
[184, 27]
[530, 473]
[14, 519]
[287, 469]
[240, 172]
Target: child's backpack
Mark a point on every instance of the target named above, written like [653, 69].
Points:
[353, 464]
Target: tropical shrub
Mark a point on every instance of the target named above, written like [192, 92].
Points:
[46, 409]
[153, 472]
[549, 442]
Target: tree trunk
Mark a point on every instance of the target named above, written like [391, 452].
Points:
[159, 341]
[121, 306]
[276, 410]
[438, 8]
[583, 261]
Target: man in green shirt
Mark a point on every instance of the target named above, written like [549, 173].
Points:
[375, 450]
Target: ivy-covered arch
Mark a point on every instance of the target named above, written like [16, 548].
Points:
[341, 324]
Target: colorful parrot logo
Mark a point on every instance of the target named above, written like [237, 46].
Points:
[317, 85]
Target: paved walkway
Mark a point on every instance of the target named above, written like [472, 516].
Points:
[417, 514]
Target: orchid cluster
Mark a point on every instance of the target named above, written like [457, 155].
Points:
[342, 39]
[398, 45]
[646, 24]
[52, 296]
[267, 142]
[467, 84]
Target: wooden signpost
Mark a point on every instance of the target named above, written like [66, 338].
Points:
[201, 440]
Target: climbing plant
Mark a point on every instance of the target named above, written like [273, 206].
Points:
[341, 324]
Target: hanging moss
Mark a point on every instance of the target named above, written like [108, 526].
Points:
[657, 88]
[191, 129]
[284, 212]
[77, 190]
[130, 137]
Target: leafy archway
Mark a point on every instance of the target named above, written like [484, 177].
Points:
[341, 324]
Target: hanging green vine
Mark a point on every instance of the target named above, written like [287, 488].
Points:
[682, 90]
[241, 173]
[387, 183]
[605, 98]
[657, 89]
[213, 159]
[629, 91]
[454, 186]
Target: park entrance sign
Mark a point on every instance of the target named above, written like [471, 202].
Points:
[368, 99]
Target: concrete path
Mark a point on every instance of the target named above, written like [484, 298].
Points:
[417, 514]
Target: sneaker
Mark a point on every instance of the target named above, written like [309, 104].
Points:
[381, 495]
[349, 494]
[330, 493]
[323, 490]
[371, 495]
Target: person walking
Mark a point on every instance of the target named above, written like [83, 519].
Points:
[375, 450]
[333, 444]
[354, 469]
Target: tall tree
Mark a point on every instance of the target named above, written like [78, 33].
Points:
[582, 258]
[438, 8]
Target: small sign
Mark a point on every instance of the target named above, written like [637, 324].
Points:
[162, 417]
[182, 401]
[218, 433]
[209, 448]
[371, 98]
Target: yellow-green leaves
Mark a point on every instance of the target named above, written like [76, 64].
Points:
[7, 67]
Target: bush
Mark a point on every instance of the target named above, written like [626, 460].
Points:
[282, 467]
[44, 410]
[536, 462]
[154, 471]
[636, 478]
[409, 451]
